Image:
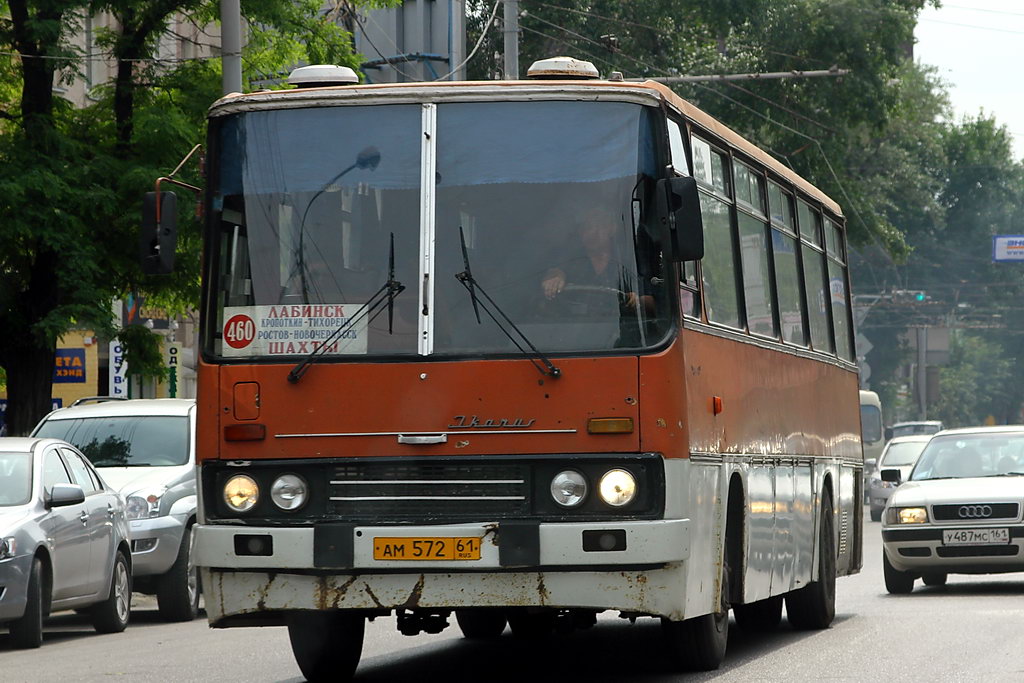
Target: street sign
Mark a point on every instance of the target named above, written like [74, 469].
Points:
[1008, 248]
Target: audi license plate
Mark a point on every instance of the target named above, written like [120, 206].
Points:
[426, 548]
[975, 536]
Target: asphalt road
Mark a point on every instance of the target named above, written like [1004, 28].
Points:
[970, 630]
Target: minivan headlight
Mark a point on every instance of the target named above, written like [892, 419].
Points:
[144, 504]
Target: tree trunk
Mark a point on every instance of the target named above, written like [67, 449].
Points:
[29, 387]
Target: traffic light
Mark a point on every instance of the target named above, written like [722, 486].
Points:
[914, 296]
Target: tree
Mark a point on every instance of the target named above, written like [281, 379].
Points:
[71, 180]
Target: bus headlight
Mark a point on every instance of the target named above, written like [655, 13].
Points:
[568, 488]
[289, 492]
[617, 487]
[241, 493]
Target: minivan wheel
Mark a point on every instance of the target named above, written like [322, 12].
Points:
[178, 590]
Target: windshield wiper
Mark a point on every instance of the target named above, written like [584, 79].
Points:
[383, 298]
[472, 286]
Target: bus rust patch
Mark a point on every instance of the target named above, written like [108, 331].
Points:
[414, 598]
[542, 590]
[261, 602]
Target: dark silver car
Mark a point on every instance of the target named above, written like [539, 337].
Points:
[63, 540]
[900, 453]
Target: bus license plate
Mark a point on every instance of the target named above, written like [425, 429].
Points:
[426, 548]
[975, 536]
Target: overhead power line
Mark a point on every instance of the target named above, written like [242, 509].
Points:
[711, 78]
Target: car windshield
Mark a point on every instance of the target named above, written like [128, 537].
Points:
[899, 454]
[128, 441]
[971, 455]
[545, 203]
[913, 428]
[15, 479]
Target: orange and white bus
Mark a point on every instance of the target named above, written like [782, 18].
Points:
[517, 353]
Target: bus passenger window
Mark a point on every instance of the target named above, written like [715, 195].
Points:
[838, 290]
[719, 264]
[787, 269]
[815, 283]
[757, 288]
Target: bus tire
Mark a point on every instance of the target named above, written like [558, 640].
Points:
[698, 644]
[27, 631]
[326, 645]
[177, 595]
[760, 616]
[896, 582]
[531, 625]
[813, 607]
[481, 624]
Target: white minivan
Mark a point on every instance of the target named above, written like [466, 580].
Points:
[145, 448]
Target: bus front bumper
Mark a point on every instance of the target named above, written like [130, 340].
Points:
[540, 565]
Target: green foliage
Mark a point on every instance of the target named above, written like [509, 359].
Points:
[975, 384]
[142, 352]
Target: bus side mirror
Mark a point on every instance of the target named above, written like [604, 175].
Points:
[159, 235]
[679, 217]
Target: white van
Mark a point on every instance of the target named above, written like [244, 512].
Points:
[145, 448]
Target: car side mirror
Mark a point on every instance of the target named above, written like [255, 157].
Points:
[159, 235]
[870, 463]
[892, 475]
[678, 215]
[62, 495]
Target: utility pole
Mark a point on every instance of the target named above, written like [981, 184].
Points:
[922, 372]
[231, 45]
[511, 22]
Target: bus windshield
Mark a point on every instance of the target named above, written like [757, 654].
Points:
[550, 199]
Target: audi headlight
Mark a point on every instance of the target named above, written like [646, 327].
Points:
[617, 488]
[569, 488]
[289, 492]
[8, 548]
[144, 504]
[916, 515]
[241, 493]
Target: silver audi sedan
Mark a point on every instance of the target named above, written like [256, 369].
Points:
[959, 512]
[63, 540]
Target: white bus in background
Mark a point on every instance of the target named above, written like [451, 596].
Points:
[871, 432]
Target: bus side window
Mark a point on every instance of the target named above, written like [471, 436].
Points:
[719, 267]
[837, 288]
[787, 269]
[816, 288]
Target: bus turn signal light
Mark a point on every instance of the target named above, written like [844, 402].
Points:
[610, 425]
[246, 432]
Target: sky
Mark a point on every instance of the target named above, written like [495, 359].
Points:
[978, 48]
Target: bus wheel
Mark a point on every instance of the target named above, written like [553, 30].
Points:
[763, 615]
[481, 624]
[531, 625]
[896, 582]
[814, 605]
[326, 645]
[698, 644]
